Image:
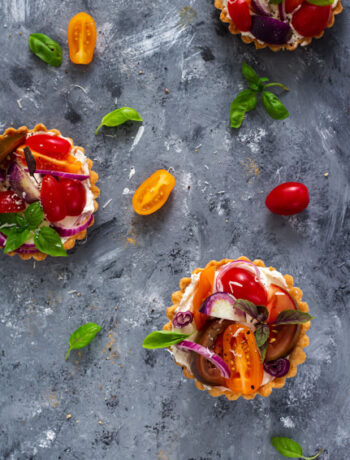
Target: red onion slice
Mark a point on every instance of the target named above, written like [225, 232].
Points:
[259, 7]
[182, 319]
[221, 305]
[62, 231]
[64, 175]
[24, 249]
[2, 240]
[277, 368]
[215, 359]
[245, 264]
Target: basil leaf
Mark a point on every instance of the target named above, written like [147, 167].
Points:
[118, 117]
[262, 333]
[46, 49]
[320, 2]
[249, 73]
[34, 215]
[244, 102]
[82, 337]
[47, 240]
[15, 239]
[263, 313]
[247, 307]
[8, 218]
[289, 448]
[31, 162]
[162, 339]
[292, 317]
[274, 106]
[262, 351]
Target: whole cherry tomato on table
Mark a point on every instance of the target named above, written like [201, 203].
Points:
[288, 198]
[50, 145]
[239, 12]
[74, 195]
[81, 38]
[11, 202]
[291, 5]
[310, 20]
[52, 199]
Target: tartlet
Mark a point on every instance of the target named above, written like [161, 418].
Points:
[283, 26]
[70, 165]
[183, 301]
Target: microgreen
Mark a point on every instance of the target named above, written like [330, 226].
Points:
[118, 117]
[163, 339]
[46, 49]
[82, 337]
[247, 99]
[291, 449]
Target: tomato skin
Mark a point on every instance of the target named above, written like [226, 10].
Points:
[242, 284]
[311, 20]
[74, 194]
[291, 5]
[204, 289]
[153, 193]
[11, 202]
[242, 356]
[278, 301]
[49, 145]
[288, 198]
[281, 341]
[81, 38]
[240, 14]
[52, 199]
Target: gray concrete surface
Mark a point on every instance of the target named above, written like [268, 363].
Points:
[125, 402]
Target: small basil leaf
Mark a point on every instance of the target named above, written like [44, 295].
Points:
[8, 218]
[31, 162]
[262, 351]
[291, 449]
[247, 307]
[263, 313]
[82, 337]
[47, 240]
[292, 317]
[237, 116]
[22, 223]
[244, 102]
[46, 49]
[254, 86]
[15, 239]
[261, 82]
[162, 339]
[249, 73]
[262, 333]
[274, 106]
[320, 2]
[34, 215]
[118, 117]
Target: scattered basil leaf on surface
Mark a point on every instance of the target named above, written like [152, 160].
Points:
[274, 106]
[34, 215]
[82, 337]
[118, 117]
[244, 102]
[262, 333]
[246, 306]
[31, 163]
[289, 448]
[321, 2]
[15, 239]
[249, 73]
[163, 339]
[292, 317]
[46, 49]
[48, 241]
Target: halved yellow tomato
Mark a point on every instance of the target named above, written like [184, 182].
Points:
[81, 38]
[153, 193]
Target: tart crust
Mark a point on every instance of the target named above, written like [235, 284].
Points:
[70, 243]
[296, 357]
[260, 45]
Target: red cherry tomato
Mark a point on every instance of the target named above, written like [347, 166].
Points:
[288, 198]
[240, 14]
[74, 195]
[310, 20]
[291, 5]
[11, 202]
[52, 199]
[278, 301]
[49, 145]
[242, 284]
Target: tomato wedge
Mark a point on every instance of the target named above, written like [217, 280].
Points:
[240, 14]
[11, 202]
[153, 193]
[203, 290]
[45, 162]
[278, 300]
[311, 20]
[242, 356]
[81, 38]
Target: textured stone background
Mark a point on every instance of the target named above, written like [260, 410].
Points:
[125, 402]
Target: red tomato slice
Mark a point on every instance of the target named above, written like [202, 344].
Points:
[74, 195]
[52, 199]
[279, 300]
[240, 14]
[52, 146]
[242, 356]
[291, 5]
[203, 290]
[11, 202]
[310, 20]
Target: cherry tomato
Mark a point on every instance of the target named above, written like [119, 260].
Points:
[278, 301]
[81, 38]
[288, 198]
[291, 5]
[204, 289]
[74, 195]
[240, 14]
[49, 145]
[203, 369]
[242, 356]
[153, 193]
[281, 341]
[11, 202]
[242, 284]
[310, 20]
[52, 199]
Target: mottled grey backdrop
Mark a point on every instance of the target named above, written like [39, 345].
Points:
[115, 400]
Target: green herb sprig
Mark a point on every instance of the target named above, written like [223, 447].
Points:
[247, 99]
[291, 449]
[118, 117]
[163, 339]
[46, 49]
[82, 337]
[19, 227]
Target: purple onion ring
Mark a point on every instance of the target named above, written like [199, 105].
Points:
[182, 319]
[277, 368]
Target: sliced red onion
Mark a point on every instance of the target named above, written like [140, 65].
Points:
[215, 359]
[24, 249]
[270, 30]
[62, 231]
[282, 10]
[245, 264]
[260, 8]
[2, 240]
[23, 184]
[182, 319]
[277, 368]
[220, 305]
[64, 175]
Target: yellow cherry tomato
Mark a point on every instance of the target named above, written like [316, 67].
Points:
[81, 38]
[153, 192]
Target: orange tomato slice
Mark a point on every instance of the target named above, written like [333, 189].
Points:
[278, 301]
[153, 193]
[242, 356]
[70, 164]
[81, 38]
[203, 290]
